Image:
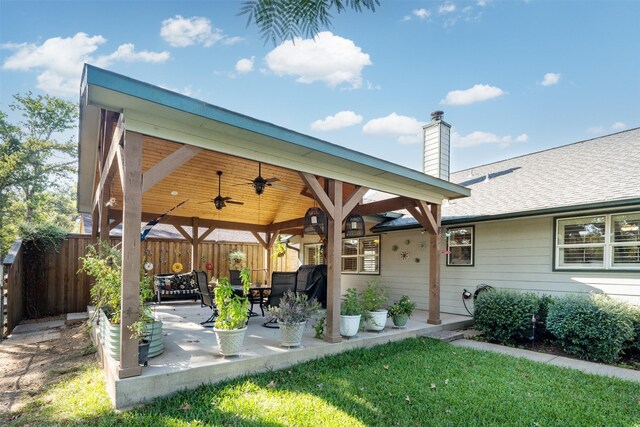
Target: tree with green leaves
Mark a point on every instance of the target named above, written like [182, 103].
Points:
[286, 19]
[36, 169]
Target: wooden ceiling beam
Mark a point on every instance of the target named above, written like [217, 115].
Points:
[206, 233]
[108, 170]
[184, 233]
[318, 192]
[387, 205]
[426, 211]
[293, 223]
[182, 220]
[354, 199]
[167, 165]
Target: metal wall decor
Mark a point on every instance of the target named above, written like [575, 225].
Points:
[354, 226]
[315, 221]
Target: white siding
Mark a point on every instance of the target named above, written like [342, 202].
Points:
[514, 254]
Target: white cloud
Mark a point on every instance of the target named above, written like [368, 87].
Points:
[232, 40]
[408, 129]
[245, 65]
[618, 126]
[339, 120]
[421, 13]
[595, 129]
[550, 79]
[477, 93]
[482, 3]
[447, 7]
[327, 58]
[482, 138]
[182, 32]
[60, 60]
[127, 53]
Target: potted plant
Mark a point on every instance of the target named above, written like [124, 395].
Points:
[350, 313]
[279, 248]
[374, 298]
[401, 310]
[140, 331]
[236, 258]
[104, 262]
[292, 315]
[233, 314]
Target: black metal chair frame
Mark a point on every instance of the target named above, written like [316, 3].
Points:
[281, 282]
[206, 297]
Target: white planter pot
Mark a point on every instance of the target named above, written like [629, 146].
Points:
[291, 334]
[376, 320]
[230, 341]
[349, 325]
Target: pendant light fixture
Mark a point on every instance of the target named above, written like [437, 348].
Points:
[354, 226]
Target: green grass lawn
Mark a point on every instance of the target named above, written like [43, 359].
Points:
[415, 382]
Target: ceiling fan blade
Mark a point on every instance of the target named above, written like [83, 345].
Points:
[279, 186]
[272, 179]
[233, 202]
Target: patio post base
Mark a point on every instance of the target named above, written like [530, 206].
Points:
[333, 340]
[134, 371]
[434, 321]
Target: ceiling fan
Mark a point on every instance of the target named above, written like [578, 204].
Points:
[220, 202]
[259, 183]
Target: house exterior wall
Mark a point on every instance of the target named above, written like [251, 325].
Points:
[513, 254]
[518, 254]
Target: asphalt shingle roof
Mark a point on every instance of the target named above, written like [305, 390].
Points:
[599, 170]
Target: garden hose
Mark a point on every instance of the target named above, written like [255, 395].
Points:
[466, 295]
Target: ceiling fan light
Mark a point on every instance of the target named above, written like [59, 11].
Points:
[259, 187]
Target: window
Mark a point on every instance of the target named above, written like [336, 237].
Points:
[313, 254]
[610, 241]
[361, 256]
[460, 246]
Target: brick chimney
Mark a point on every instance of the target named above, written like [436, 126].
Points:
[436, 147]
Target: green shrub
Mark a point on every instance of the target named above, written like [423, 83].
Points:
[542, 333]
[504, 315]
[634, 343]
[593, 326]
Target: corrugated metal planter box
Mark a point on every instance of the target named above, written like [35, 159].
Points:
[110, 337]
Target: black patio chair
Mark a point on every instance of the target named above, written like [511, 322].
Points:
[206, 297]
[281, 282]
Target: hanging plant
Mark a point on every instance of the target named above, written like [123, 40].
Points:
[279, 248]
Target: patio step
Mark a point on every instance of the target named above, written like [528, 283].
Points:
[445, 336]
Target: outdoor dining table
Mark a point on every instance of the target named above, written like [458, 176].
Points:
[257, 294]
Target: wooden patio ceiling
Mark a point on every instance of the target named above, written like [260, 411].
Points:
[196, 181]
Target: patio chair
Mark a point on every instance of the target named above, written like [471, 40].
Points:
[234, 278]
[312, 280]
[281, 282]
[206, 297]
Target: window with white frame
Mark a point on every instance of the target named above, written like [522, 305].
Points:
[313, 254]
[460, 246]
[361, 256]
[604, 241]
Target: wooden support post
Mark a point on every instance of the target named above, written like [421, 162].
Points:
[195, 244]
[434, 269]
[333, 247]
[132, 217]
[95, 220]
[104, 213]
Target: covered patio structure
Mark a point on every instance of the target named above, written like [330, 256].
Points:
[144, 149]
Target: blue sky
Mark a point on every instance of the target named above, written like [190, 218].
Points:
[512, 77]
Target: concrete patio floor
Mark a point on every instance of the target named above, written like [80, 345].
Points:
[191, 356]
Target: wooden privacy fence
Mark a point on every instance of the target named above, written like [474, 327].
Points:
[57, 287]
